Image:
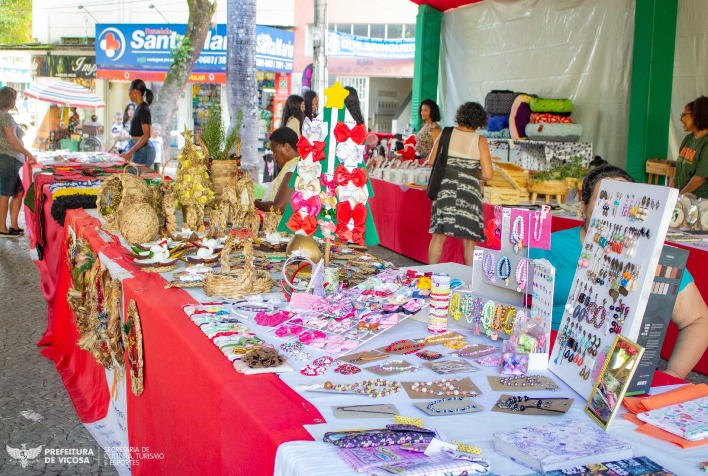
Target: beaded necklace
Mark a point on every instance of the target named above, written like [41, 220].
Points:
[467, 307]
[444, 387]
[487, 314]
[442, 338]
[517, 233]
[509, 316]
[392, 366]
[504, 269]
[539, 218]
[522, 274]
[373, 388]
[488, 266]
[431, 405]
[454, 307]
[497, 326]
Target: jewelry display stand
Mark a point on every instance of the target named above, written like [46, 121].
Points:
[503, 278]
[614, 278]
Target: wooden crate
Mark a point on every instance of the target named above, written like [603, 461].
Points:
[505, 196]
[508, 175]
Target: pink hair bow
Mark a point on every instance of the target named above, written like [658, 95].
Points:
[312, 205]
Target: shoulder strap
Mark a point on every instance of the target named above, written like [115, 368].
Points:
[445, 136]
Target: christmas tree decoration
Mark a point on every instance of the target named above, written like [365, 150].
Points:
[192, 186]
[331, 185]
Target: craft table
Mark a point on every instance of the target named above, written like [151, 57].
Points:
[402, 216]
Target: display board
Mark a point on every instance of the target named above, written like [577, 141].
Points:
[613, 279]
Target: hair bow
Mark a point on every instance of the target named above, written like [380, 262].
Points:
[305, 148]
[297, 223]
[309, 170]
[351, 155]
[307, 187]
[352, 193]
[314, 130]
[327, 228]
[328, 185]
[342, 176]
[342, 132]
[328, 201]
[351, 222]
[312, 205]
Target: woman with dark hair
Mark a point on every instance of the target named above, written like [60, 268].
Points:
[311, 104]
[429, 114]
[353, 106]
[140, 149]
[283, 143]
[692, 162]
[457, 210]
[294, 113]
[12, 154]
[690, 313]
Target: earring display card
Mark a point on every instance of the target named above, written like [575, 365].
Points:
[521, 383]
[525, 405]
[614, 277]
[450, 406]
[446, 387]
[446, 367]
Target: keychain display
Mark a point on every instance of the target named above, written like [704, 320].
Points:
[613, 278]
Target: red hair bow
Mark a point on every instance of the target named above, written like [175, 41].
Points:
[343, 177]
[304, 147]
[351, 222]
[357, 134]
[307, 224]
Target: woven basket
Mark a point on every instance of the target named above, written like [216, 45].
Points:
[137, 221]
[222, 173]
[238, 285]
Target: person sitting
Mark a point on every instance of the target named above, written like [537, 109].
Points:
[690, 313]
[283, 143]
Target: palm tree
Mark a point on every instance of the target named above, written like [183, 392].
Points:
[200, 15]
[241, 82]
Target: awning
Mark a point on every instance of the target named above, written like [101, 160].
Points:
[64, 94]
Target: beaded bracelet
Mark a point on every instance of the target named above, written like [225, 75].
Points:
[504, 269]
[488, 266]
[516, 237]
[454, 308]
[487, 314]
[431, 405]
[522, 270]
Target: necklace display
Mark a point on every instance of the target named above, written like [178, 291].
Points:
[443, 387]
[373, 388]
[442, 338]
[488, 266]
[431, 406]
[516, 236]
[399, 366]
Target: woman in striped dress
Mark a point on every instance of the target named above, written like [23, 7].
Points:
[457, 211]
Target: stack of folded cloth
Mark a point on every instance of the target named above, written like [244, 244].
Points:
[498, 106]
[550, 120]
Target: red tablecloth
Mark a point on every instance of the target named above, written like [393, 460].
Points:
[402, 216]
[195, 409]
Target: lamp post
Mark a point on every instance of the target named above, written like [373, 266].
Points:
[152, 6]
[81, 7]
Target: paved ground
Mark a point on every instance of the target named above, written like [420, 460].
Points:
[30, 383]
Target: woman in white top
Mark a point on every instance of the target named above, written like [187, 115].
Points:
[457, 210]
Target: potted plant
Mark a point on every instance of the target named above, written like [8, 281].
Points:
[558, 179]
[223, 147]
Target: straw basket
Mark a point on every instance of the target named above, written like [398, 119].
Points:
[222, 173]
[137, 221]
[549, 188]
[238, 285]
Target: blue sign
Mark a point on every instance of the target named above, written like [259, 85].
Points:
[149, 47]
[343, 44]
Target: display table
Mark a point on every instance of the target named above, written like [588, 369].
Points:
[402, 216]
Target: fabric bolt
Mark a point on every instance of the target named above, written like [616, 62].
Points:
[692, 160]
[6, 120]
[550, 118]
[497, 123]
[564, 253]
[520, 116]
[458, 208]
[554, 132]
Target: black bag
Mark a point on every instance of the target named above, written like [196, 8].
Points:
[436, 175]
[499, 102]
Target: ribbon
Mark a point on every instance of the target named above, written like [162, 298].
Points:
[308, 188]
[312, 205]
[343, 177]
[309, 170]
[328, 185]
[357, 133]
[351, 222]
[328, 201]
[304, 148]
[351, 155]
[315, 130]
[297, 223]
[352, 193]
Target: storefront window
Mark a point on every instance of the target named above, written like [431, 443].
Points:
[377, 31]
[361, 29]
[409, 30]
[343, 28]
[394, 31]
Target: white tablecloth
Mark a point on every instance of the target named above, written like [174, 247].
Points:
[312, 458]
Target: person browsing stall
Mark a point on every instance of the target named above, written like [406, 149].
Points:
[457, 210]
[140, 149]
[690, 313]
[429, 114]
[12, 155]
[283, 143]
[692, 163]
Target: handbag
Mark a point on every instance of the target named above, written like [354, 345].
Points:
[436, 175]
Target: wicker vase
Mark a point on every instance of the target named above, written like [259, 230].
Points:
[222, 172]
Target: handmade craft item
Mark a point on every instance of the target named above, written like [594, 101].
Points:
[133, 338]
[125, 202]
[237, 285]
[192, 185]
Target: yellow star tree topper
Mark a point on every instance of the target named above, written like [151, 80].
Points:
[336, 95]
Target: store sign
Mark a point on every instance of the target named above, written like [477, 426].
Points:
[64, 67]
[149, 47]
[342, 44]
[15, 68]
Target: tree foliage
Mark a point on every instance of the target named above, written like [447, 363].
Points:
[15, 22]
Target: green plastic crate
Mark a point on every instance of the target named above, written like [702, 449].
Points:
[68, 144]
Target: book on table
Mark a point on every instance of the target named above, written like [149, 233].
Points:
[560, 445]
[638, 466]
[689, 420]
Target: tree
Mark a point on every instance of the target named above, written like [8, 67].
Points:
[241, 82]
[15, 22]
[184, 57]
